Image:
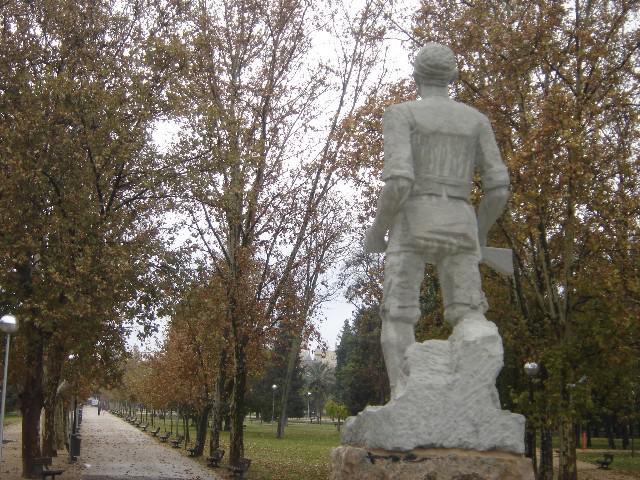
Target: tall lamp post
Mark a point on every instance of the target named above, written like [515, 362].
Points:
[309, 405]
[74, 425]
[9, 325]
[274, 387]
[531, 369]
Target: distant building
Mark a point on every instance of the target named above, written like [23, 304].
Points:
[327, 357]
[306, 357]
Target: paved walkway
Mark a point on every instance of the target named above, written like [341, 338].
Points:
[112, 450]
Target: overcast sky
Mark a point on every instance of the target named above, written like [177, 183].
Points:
[335, 312]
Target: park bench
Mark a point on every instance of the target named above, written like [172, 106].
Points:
[155, 432]
[605, 461]
[215, 458]
[176, 443]
[239, 470]
[45, 462]
[164, 437]
[193, 450]
[144, 426]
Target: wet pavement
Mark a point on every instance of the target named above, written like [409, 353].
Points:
[112, 449]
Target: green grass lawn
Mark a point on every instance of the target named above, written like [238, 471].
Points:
[303, 453]
[622, 460]
[11, 417]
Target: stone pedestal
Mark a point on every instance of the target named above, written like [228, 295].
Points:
[354, 463]
[450, 400]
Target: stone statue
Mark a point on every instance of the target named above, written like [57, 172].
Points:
[443, 392]
[431, 149]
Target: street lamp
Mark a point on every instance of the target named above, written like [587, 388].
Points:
[74, 438]
[531, 369]
[309, 405]
[74, 425]
[9, 325]
[274, 387]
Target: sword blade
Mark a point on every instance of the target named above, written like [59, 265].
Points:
[500, 259]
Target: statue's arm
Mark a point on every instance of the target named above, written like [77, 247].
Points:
[394, 194]
[495, 181]
[397, 174]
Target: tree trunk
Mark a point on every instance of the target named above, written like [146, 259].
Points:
[32, 401]
[51, 382]
[236, 442]
[227, 422]
[625, 437]
[49, 434]
[61, 427]
[588, 435]
[216, 418]
[201, 432]
[545, 472]
[567, 469]
[294, 351]
[608, 426]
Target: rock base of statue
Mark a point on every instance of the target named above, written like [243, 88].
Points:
[353, 463]
[450, 399]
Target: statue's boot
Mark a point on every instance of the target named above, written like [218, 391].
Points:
[397, 335]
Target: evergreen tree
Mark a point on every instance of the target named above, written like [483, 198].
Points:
[361, 377]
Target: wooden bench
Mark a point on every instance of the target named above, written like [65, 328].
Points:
[176, 443]
[155, 432]
[44, 462]
[241, 469]
[164, 437]
[144, 427]
[193, 450]
[215, 458]
[51, 473]
[605, 461]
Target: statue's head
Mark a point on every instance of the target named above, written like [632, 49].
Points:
[435, 65]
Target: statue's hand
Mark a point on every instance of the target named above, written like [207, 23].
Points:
[482, 239]
[374, 241]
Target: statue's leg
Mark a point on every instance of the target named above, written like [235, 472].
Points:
[462, 293]
[403, 274]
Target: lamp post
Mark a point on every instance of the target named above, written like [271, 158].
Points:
[74, 425]
[9, 325]
[74, 438]
[309, 405]
[531, 369]
[274, 387]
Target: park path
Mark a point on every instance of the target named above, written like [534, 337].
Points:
[112, 449]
